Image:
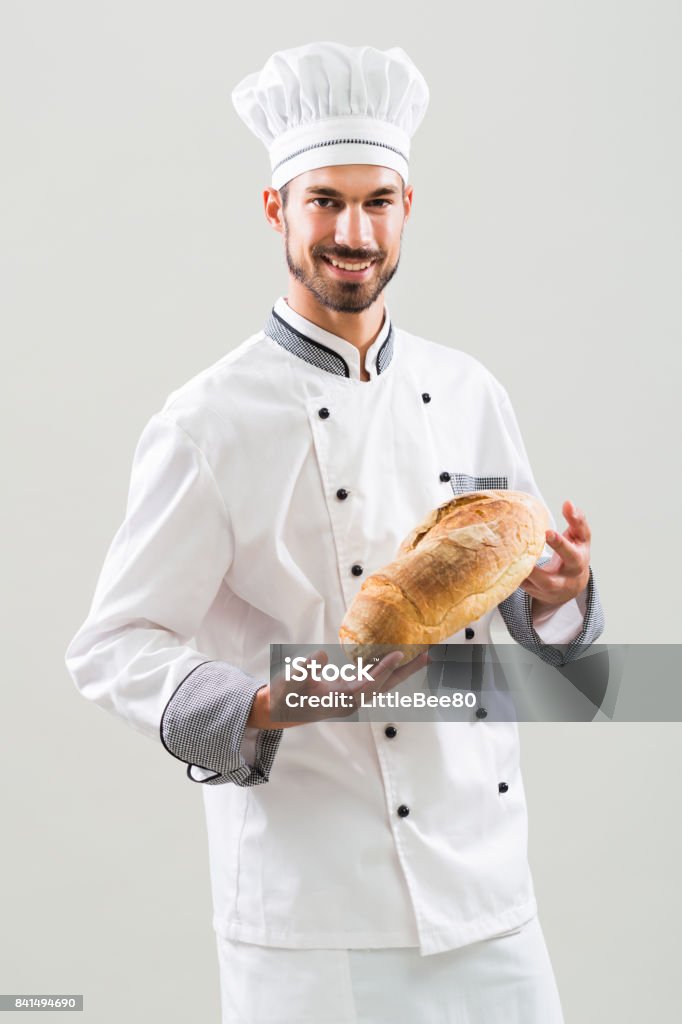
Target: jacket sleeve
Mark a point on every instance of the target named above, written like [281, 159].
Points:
[134, 655]
[578, 623]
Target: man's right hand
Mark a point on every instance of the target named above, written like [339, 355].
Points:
[384, 676]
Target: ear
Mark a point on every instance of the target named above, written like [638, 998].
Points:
[274, 213]
[407, 201]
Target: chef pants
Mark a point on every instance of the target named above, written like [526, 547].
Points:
[503, 980]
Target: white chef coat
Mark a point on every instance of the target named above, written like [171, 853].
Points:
[235, 537]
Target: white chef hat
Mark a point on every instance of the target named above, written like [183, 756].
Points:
[325, 104]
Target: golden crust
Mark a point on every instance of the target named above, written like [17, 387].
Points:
[467, 555]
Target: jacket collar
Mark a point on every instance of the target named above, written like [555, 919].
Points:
[328, 351]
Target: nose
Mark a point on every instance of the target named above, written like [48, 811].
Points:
[353, 228]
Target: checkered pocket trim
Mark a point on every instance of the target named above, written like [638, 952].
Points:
[463, 482]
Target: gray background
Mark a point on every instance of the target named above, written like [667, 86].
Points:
[545, 240]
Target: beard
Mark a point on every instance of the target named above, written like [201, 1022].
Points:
[341, 296]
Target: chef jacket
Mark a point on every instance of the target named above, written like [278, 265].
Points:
[262, 494]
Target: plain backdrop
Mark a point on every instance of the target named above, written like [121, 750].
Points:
[545, 240]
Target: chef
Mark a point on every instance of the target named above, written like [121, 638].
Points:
[361, 871]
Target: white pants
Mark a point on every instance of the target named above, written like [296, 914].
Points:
[505, 980]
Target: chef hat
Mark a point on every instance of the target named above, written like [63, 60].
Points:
[325, 104]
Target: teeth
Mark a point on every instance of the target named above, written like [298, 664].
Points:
[350, 266]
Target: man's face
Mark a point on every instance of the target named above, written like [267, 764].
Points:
[352, 215]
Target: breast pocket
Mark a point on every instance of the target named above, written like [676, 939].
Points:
[463, 482]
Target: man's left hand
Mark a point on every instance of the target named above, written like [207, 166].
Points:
[568, 571]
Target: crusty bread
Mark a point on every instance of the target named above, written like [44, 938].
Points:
[467, 555]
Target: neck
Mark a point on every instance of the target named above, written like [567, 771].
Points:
[359, 329]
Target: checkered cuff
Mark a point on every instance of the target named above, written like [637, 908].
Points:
[516, 611]
[203, 725]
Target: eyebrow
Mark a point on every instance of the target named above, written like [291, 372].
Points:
[332, 193]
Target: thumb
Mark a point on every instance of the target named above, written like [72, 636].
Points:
[319, 656]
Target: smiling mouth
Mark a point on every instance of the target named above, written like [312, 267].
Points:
[353, 267]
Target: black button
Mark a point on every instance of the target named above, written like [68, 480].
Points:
[445, 476]
[503, 787]
[426, 398]
[357, 570]
[342, 494]
[481, 713]
[403, 811]
[469, 633]
[323, 413]
[391, 731]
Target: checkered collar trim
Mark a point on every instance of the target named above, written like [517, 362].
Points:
[292, 336]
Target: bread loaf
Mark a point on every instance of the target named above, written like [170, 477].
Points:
[467, 555]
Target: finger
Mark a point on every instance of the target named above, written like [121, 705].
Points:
[386, 665]
[542, 576]
[398, 675]
[540, 572]
[401, 672]
[378, 673]
[383, 668]
[321, 657]
[577, 522]
[547, 591]
[565, 549]
[390, 674]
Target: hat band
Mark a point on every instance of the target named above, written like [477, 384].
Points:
[330, 141]
[338, 142]
[337, 152]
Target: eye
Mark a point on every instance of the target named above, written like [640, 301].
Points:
[325, 203]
